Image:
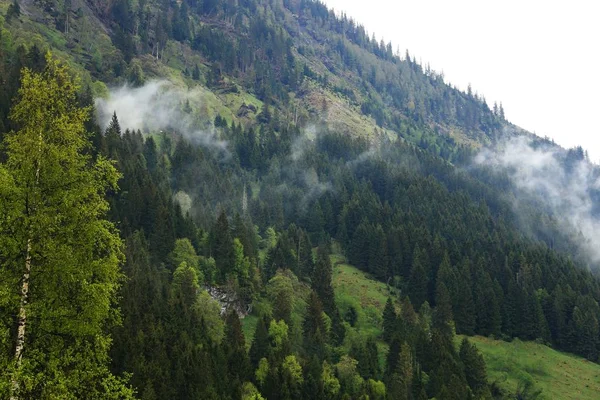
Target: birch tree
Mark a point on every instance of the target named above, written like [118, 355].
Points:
[59, 257]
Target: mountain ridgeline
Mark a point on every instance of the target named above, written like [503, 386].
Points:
[257, 143]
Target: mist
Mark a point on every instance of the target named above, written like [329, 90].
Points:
[158, 106]
[562, 182]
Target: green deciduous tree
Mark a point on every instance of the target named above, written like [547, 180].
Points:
[185, 284]
[184, 251]
[280, 291]
[350, 380]
[60, 258]
[292, 376]
[209, 312]
[331, 385]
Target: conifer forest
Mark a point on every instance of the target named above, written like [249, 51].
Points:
[187, 188]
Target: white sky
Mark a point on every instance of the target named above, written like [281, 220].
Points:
[541, 59]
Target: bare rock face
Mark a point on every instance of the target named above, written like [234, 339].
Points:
[229, 300]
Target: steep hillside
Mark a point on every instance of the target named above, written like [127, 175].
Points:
[260, 143]
[295, 55]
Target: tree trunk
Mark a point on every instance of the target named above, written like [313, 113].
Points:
[22, 318]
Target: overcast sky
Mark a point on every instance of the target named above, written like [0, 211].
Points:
[541, 59]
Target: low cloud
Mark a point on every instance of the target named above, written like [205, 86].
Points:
[157, 106]
[565, 183]
[315, 188]
[304, 141]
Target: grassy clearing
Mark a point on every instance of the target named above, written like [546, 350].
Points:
[340, 115]
[349, 281]
[559, 375]
[354, 288]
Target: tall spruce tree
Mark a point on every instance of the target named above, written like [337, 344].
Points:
[389, 320]
[463, 306]
[306, 263]
[322, 281]
[314, 327]
[400, 382]
[260, 342]
[474, 367]
[235, 351]
[222, 246]
[419, 278]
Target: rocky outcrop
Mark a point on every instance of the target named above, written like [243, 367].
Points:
[229, 300]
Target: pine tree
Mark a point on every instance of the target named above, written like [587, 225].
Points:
[260, 342]
[463, 306]
[222, 246]
[324, 289]
[113, 137]
[279, 257]
[446, 369]
[419, 279]
[322, 282]
[306, 264]
[151, 154]
[585, 320]
[161, 233]
[378, 254]
[314, 327]
[235, 350]
[442, 318]
[474, 366]
[367, 356]
[61, 257]
[400, 382]
[489, 318]
[246, 236]
[392, 358]
[389, 320]
[395, 252]
[358, 253]
[447, 275]
[313, 387]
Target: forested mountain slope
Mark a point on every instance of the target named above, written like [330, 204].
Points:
[254, 138]
[297, 56]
